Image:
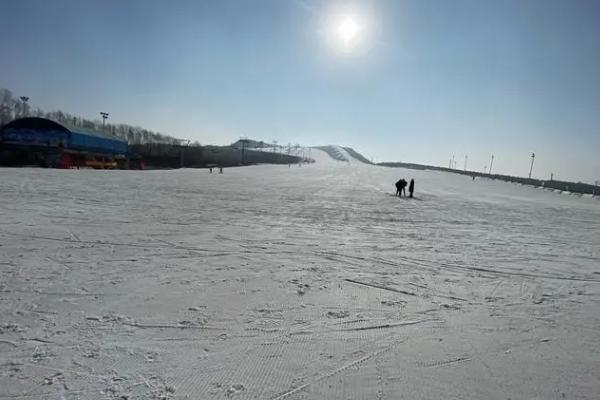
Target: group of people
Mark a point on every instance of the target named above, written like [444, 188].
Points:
[401, 187]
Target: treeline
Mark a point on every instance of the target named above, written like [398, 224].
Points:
[575, 187]
[12, 107]
[289, 149]
[157, 155]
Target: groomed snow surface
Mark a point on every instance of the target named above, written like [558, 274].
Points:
[312, 282]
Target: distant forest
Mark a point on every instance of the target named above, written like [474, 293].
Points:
[12, 107]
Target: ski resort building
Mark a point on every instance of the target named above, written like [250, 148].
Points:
[43, 142]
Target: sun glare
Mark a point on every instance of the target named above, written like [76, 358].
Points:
[348, 30]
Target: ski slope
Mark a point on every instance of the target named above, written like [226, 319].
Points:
[312, 282]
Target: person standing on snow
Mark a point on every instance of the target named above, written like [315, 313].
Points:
[411, 187]
[401, 187]
[398, 187]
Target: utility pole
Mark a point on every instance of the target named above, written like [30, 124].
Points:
[551, 176]
[243, 140]
[182, 154]
[531, 168]
[24, 99]
[491, 163]
[104, 117]
[466, 157]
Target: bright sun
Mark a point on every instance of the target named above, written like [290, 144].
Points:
[348, 31]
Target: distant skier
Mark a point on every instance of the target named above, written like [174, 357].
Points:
[411, 187]
[220, 170]
[401, 187]
[210, 169]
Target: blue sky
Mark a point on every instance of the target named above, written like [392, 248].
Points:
[427, 79]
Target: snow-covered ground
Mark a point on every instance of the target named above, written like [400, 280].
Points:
[312, 282]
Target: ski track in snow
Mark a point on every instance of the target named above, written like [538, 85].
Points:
[273, 282]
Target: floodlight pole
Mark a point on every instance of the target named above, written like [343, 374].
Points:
[243, 139]
[24, 99]
[104, 117]
[466, 157]
[182, 154]
[531, 168]
[491, 163]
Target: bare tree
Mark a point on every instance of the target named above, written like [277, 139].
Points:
[12, 108]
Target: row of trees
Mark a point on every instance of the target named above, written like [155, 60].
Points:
[12, 107]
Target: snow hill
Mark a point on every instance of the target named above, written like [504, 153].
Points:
[345, 154]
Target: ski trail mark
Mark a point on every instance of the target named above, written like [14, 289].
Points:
[336, 371]
[444, 363]
[373, 285]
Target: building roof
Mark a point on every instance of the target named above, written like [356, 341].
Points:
[45, 124]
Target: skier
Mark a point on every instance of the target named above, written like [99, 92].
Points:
[401, 187]
[411, 187]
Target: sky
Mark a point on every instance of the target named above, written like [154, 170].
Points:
[420, 80]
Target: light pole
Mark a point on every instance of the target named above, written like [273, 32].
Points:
[104, 117]
[182, 154]
[243, 140]
[466, 157]
[531, 168]
[24, 99]
[491, 163]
